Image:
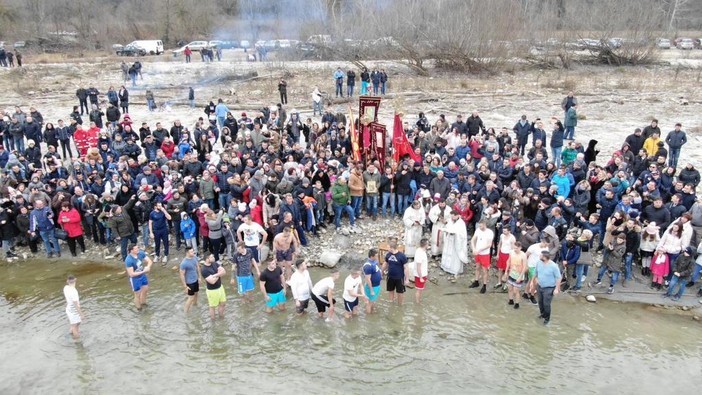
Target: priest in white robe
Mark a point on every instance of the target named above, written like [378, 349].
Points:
[439, 216]
[413, 219]
[455, 251]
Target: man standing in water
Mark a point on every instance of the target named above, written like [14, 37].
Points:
[284, 247]
[421, 269]
[548, 278]
[353, 291]
[73, 310]
[245, 265]
[323, 295]
[212, 272]
[271, 281]
[514, 273]
[137, 274]
[301, 286]
[480, 243]
[372, 276]
[189, 277]
[398, 276]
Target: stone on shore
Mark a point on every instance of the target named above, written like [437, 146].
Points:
[330, 258]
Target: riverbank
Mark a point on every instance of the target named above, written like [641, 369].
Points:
[351, 250]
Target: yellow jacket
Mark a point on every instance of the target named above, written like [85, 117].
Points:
[651, 145]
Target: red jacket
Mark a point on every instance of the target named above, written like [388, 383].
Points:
[466, 214]
[70, 220]
[257, 214]
[168, 149]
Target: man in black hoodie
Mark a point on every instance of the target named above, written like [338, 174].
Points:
[635, 141]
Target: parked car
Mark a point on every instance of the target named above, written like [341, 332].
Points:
[131, 50]
[152, 47]
[224, 44]
[20, 44]
[686, 43]
[193, 45]
[663, 43]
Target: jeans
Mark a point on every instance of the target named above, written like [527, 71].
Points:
[372, 204]
[672, 258]
[220, 122]
[556, 152]
[569, 133]
[225, 200]
[159, 237]
[388, 197]
[675, 280]
[125, 108]
[49, 238]
[673, 155]
[349, 90]
[615, 276]
[696, 273]
[301, 234]
[124, 243]
[192, 242]
[317, 106]
[337, 214]
[376, 85]
[356, 204]
[579, 273]
[545, 298]
[187, 58]
[340, 88]
[402, 203]
[628, 260]
[382, 88]
[83, 103]
[151, 104]
[192, 103]
[19, 143]
[145, 234]
[210, 203]
[133, 77]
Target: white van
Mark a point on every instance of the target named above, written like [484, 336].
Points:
[152, 47]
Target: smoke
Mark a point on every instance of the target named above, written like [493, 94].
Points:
[273, 19]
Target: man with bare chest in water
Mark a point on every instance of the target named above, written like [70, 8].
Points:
[285, 247]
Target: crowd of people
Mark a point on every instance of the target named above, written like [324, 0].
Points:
[275, 179]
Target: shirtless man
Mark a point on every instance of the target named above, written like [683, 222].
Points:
[515, 273]
[285, 248]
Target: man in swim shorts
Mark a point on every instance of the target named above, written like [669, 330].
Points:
[213, 272]
[323, 294]
[515, 272]
[245, 264]
[137, 274]
[480, 243]
[189, 277]
[372, 276]
[285, 247]
[271, 281]
[352, 292]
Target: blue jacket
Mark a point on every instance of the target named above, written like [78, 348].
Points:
[563, 184]
[570, 254]
[187, 227]
[41, 220]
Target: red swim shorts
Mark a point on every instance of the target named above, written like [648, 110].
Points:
[502, 261]
[420, 284]
[483, 260]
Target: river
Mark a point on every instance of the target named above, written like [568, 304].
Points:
[456, 342]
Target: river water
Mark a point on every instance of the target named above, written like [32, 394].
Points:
[456, 342]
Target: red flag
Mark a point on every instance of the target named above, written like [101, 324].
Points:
[355, 150]
[401, 143]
